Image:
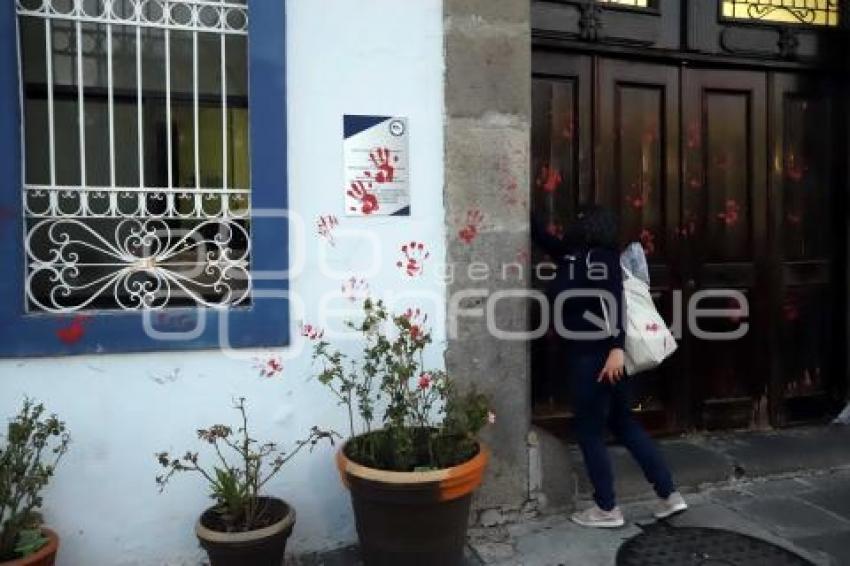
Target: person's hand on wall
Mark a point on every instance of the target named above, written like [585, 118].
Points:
[614, 367]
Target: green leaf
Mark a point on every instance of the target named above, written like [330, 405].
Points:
[29, 542]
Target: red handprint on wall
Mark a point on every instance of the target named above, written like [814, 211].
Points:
[417, 321]
[74, 332]
[470, 231]
[355, 289]
[384, 163]
[414, 255]
[325, 226]
[311, 332]
[269, 367]
[511, 195]
[361, 192]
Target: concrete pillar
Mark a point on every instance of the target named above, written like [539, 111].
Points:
[488, 107]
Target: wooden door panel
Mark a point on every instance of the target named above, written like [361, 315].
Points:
[804, 220]
[724, 239]
[561, 137]
[561, 161]
[637, 164]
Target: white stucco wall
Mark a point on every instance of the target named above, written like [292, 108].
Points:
[344, 56]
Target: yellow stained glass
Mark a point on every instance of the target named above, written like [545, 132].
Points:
[635, 3]
[811, 12]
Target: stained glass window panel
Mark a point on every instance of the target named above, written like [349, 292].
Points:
[811, 12]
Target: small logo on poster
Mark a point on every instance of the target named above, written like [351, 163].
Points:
[397, 128]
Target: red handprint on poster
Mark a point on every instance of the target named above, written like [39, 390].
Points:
[384, 163]
[362, 193]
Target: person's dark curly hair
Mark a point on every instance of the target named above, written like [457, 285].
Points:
[595, 227]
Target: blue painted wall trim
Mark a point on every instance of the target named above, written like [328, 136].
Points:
[264, 324]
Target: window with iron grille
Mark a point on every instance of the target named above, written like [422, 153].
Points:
[136, 187]
[138, 173]
[809, 12]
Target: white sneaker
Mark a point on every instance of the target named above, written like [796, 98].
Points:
[670, 506]
[599, 519]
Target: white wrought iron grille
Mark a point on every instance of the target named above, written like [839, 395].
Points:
[136, 172]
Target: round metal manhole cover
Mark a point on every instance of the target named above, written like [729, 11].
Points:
[664, 545]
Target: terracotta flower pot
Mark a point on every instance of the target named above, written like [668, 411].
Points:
[45, 556]
[412, 518]
[262, 547]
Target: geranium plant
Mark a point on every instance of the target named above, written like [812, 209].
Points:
[33, 446]
[236, 483]
[426, 422]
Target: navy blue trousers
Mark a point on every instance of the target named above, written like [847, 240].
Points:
[599, 406]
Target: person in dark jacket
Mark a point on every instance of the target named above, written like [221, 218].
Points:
[587, 293]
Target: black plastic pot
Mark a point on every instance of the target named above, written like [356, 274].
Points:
[262, 547]
[412, 518]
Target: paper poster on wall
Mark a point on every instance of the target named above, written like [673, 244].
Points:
[377, 180]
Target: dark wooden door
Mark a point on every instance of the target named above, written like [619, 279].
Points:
[725, 247]
[805, 211]
[727, 178]
[562, 163]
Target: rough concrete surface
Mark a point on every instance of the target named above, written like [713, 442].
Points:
[792, 520]
[487, 132]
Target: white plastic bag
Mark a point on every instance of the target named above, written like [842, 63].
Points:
[648, 340]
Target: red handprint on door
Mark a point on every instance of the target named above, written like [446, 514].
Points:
[384, 163]
[361, 192]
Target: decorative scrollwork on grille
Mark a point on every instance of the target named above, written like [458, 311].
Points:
[136, 264]
[810, 12]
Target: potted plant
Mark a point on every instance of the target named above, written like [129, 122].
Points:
[244, 526]
[411, 473]
[34, 445]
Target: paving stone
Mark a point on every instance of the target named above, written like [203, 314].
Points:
[569, 544]
[792, 518]
[835, 545]
[350, 556]
[494, 552]
[778, 488]
[712, 515]
[836, 500]
[693, 465]
[732, 496]
[762, 454]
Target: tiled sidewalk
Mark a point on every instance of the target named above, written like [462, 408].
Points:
[807, 514]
